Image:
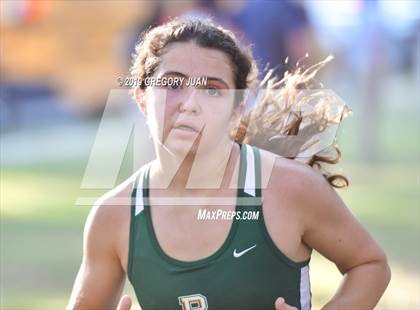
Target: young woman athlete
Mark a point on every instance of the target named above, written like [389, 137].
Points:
[153, 234]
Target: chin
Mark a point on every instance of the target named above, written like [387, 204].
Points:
[180, 147]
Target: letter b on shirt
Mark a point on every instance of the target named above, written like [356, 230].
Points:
[193, 302]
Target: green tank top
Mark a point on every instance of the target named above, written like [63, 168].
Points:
[247, 272]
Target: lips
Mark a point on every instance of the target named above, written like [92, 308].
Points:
[185, 126]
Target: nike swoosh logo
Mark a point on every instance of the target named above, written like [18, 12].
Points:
[236, 254]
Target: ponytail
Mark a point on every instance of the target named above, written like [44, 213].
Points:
[278, 124]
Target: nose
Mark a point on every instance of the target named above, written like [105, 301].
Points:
[189, 104]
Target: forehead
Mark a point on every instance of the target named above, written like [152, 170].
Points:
[195, 61]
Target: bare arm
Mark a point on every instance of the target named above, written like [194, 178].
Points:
[333, 231]
[100, 280]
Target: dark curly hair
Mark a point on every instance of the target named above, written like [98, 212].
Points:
[205, 34]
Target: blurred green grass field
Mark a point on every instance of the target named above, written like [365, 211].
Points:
[41, 228]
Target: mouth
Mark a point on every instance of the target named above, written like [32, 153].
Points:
[185, 128]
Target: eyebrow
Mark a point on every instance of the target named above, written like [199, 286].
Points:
[174, 73]
[216, 79]
[209, 78]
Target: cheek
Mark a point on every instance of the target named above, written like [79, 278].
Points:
[161, 111]
[170, 107]
[218, 118]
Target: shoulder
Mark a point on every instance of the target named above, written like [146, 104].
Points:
[292, 175]
[108, 221]
[305, 190]
[115, 203]
[300, 188]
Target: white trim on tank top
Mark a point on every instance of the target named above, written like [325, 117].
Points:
[305, 288]
[139, 193]
[249, 187]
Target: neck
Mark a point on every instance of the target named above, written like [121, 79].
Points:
[197, 170]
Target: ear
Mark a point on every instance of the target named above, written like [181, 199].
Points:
[141, 99]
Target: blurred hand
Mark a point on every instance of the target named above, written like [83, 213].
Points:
[125, 303]
[280, 304]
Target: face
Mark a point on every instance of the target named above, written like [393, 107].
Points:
[184, 117]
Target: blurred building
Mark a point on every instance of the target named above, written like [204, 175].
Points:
[74, 48]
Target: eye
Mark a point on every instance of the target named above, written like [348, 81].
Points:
[174, 86]
[213, 92]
